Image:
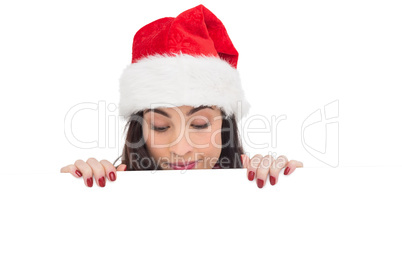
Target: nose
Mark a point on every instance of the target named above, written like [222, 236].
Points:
[180, 146]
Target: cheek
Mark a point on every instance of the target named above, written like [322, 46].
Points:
[154, 138]
[200, 139]
[210, 141]
[155, 151]
[216, 135]
[217, 144]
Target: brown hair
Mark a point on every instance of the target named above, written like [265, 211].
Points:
[230, 156]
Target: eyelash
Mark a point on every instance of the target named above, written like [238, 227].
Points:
[163, 129]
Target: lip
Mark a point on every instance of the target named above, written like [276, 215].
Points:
[189, 165]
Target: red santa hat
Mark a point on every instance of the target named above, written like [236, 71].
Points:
[187, 60]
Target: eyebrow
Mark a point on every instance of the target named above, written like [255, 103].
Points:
[188, 114]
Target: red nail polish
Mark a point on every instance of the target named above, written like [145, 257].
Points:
[90, 182]
[272, 180]
[102, 182]
[286, 171]
[125, 168]
[112, 176]
[260, 183]
[78, 173]
[251, 175]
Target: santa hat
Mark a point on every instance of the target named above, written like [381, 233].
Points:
[187, 60]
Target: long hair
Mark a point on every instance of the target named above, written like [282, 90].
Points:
[137, 157]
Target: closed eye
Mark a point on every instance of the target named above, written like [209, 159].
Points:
[162, 129]
[201, 126]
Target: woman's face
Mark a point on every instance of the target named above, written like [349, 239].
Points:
[183, 134]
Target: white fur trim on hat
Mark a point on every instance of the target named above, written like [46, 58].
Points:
[167, 81]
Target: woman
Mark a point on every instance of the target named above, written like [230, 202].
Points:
[182, 99]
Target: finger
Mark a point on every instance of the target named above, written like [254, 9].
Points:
[245, 160]
[71, 169]
[122, 167]
[279, 164]
[98, 171]
[86, 171]
[263, 170]
[110, 170]
[299, 164]
[291, 166]
[252, 166]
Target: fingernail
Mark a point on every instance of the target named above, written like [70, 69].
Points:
[251, 175]
[102, 182]
[78, 173]
[112, 176]
[286, 171]
[272, 180]
[125, 168]
[90, 182]
[260, 183]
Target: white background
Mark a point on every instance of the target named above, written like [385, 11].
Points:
[295, 57]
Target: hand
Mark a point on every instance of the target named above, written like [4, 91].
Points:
[260, 166]
[93, 167]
